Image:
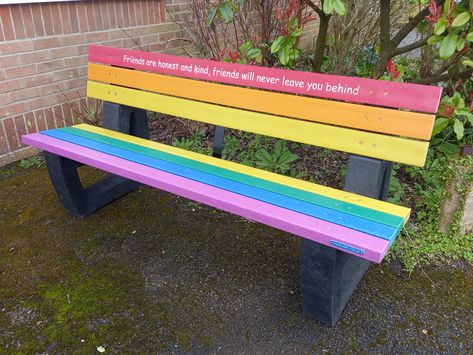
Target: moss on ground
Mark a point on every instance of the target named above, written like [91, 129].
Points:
[49, 271]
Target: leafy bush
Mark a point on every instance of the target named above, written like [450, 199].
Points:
[421, 242]
[194, 143]
[369, 42]
[454, 125]
[452, 27]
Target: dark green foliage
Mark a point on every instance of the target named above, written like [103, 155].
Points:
[396, 188]
[193, 143]
[32, 162]
[278, 161]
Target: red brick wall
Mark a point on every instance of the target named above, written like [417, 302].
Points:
[43, 56]
[43, 51]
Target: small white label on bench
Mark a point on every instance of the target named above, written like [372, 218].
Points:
[347, 247]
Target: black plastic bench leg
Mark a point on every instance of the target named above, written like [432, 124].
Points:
[329, 276]
[77, 200]
[82, 201]
[218, 141]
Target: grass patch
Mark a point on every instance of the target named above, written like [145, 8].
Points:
[31, 162]
[16, 168]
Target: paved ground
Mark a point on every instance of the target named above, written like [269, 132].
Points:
[153, 273]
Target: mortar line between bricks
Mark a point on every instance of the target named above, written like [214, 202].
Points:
[3, 33]
[13, 25]
[40, 86]
[32, 39]
[4, 158]
[23, 22]
[72, 90]
[6, 137]
[42, 17]
[46, 95]
[41, 51]
[16, 132]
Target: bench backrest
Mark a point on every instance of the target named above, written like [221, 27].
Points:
[372, 118]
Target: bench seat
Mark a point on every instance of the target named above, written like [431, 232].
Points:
[352, 223]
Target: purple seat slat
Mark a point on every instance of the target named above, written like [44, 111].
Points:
[374, 249]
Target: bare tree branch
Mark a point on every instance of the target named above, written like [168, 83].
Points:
[388, 45]
[447, 64]
[314, 7]
[411, 25]
[444, 77]
[385, 38]
[410, 47]
[321, 42]
[134, 40]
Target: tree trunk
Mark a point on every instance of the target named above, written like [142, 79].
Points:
[385, 38]
[381, 64]
[427, 56]
[321, 42]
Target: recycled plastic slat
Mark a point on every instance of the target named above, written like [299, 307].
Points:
[336, 194]
[154, 152]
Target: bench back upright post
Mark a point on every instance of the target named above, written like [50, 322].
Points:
[82, 201]
[125, 119]
[369, 177]
[218, 141]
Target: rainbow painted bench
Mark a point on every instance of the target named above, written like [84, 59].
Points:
[342, 232]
